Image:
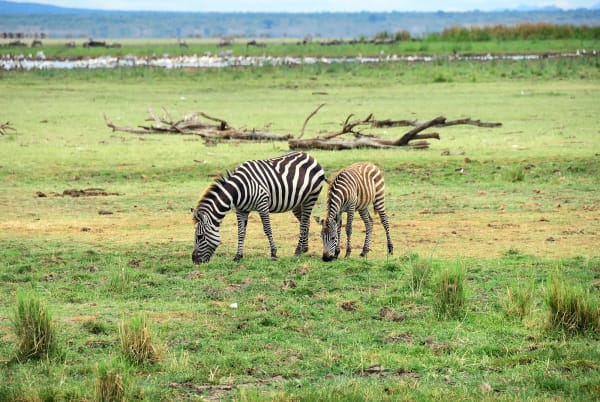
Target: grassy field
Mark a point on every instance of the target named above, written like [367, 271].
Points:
[510, 210]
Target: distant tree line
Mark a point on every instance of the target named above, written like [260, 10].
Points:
[499, 32]
[472, 25]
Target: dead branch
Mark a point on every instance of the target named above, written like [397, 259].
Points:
[193, 125]
[134, 130]
[6, 126]
[224, 124]
[406, 138]
[471, 122]
[308, 118]
[413, 138]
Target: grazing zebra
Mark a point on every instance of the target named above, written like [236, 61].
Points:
[290, 182]
[353, 189]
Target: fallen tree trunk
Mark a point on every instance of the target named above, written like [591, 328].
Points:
[193, 125]
[214, 130]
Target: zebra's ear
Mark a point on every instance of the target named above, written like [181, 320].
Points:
[319, 220]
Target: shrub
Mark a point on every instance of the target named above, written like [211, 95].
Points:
[109, 386]
[571, 309]
[36, 335]
[449, 293]
[136, 343]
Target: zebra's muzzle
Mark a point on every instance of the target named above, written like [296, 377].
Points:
[197, 258]
[328, 258]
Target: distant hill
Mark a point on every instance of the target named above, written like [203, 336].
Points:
[58, 22]
[10, 7]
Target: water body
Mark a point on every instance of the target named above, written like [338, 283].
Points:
[40, 62]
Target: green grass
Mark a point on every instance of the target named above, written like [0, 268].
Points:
[352, 329]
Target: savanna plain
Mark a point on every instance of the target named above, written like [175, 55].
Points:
[492, 292]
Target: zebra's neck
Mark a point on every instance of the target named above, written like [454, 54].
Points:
[339, 194]
[218, 200]
[335, 204]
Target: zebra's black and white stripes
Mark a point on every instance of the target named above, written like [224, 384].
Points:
[290, 182]
[353, 189]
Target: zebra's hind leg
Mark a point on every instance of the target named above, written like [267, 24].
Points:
[304, 220]
[366, 217]
[242, 222]
[386, 225]
[266, 221]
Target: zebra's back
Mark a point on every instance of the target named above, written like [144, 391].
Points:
[361, 183]
[289, 181]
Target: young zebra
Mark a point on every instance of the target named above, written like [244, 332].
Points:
[353, 189]
[289, 182]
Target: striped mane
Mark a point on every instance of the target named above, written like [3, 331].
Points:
[218, 181]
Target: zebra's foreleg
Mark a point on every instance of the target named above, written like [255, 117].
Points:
[266, 221]
[366, 217]
[349, 220]
[242, 222]
[338, 242]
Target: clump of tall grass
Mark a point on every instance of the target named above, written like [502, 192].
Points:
[110, 384]
[571, 308]
[513, 174]
[136, 343]
[518, 301]
[419, 275]
[35, 330]
[120, 281]
[449, 292]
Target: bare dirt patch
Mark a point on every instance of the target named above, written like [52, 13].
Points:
[563, 232]
[89, 192]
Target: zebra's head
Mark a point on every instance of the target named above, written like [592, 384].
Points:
[330, 236]
[207, 237]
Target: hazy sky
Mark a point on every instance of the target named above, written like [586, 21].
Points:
[309, 6]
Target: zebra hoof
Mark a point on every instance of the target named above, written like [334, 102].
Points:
[274, 258]
[300, 251]
[237, 258]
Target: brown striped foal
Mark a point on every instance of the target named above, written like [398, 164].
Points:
[353, 189]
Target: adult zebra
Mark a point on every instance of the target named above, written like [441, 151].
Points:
[290, 182]
[353, 189]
